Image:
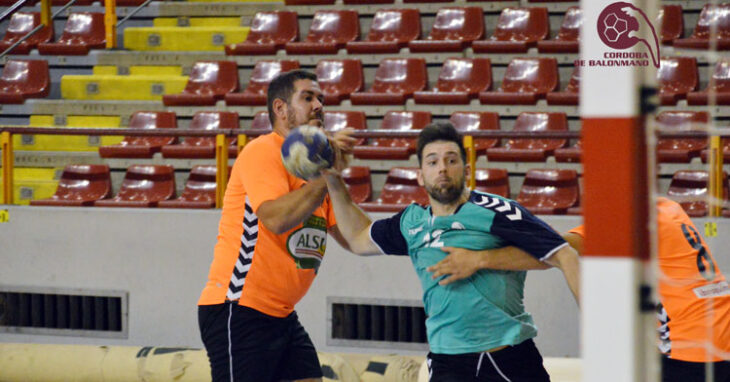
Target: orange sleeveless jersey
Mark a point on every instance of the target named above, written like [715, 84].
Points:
[260, 269]
[695, 297]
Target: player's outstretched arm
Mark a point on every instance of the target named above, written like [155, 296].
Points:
[462, 263]
[289, 210]
[567, 259]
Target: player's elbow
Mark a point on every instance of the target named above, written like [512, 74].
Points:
[274, 222]
[565, 259]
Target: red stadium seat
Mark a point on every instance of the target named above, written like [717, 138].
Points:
[681, 150]
[518, 29]
[202, 147]
[549, 192]
[395, 148]
[400, 189]
[453, 30]
[677, 76]
[338, 120]
[83, 31]
[260, 122]
[263, 73]
[338, 79]
[672, 23]
[23, 79]
[359, 184]
[570, 95]
[721, 86]
[390, 30]
[689, 189]
[143, 147]
[718, 15]
[330, 31]
[568, 39]
[525, 82]
[396, 79]
[531, 150]
[460, 81]
[143, 186]
[466, 121]
[80, 185]
[570, 154]
[208, 83]
[269, 32]
[20, 24]
[199, 190]
[493, 181]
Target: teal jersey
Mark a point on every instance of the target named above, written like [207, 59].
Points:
[483, 311]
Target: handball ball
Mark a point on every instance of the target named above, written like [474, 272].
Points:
[306, 151]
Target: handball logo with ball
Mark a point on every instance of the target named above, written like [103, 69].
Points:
[307, 244]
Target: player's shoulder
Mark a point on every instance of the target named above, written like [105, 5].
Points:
[262, 145]
[497, 204]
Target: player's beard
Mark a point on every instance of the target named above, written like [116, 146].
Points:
[314, 119]
[448, 193]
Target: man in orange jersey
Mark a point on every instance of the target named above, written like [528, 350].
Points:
[271, 240]
[694, 310]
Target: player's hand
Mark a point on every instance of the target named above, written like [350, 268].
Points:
[459, 264]
[343, 140]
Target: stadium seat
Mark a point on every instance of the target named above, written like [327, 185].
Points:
[260, 122]
[466, 121]
[209, 82]
[453, 30]
[396, 79]
[338, 79]
[525, 81]
[568, 96]
[394, 148]
[460, 81]
[568, 38]
[269, 32]
[677, 76]
[20, 24]
[83, 31]
[570, 154]
[719, 15]
[255, 92]
[549, 191]
[199, 190]
[202, 147]
[531, 150]
[330, 31]
[492, 180]
[400, 189]
[359, 184]
[721, 87]
[338, 120]
[681, 150]
[143, 186]
[22, 79]
[672, 23]
[390, 31]
[80, 185]
[518, 29]
[689, 189]
[143, 147]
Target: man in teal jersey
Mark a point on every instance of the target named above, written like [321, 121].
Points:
[477, 327]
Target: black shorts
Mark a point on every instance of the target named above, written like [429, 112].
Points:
[245, 345]
[519, 363]
[682, 371]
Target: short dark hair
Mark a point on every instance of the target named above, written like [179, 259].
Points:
[439, 131]
[282, 87]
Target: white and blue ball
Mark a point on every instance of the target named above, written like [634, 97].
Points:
[306, 151]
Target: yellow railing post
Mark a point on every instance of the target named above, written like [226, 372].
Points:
[715, 161]
[471, 158]
[46, 18]
[110, 22]
[221, 174]
[241, 142]
[6, 144]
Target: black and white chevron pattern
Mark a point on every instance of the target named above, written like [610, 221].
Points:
[665, 343]
[502, 206]
[245, 253]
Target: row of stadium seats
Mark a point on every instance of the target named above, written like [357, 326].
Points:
[669, 150]
[543, 191]
[454, 29]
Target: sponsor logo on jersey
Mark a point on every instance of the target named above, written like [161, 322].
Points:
[308, 244]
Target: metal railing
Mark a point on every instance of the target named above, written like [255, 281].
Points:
[38, 27]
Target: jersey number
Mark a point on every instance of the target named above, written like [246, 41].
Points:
[432, 239]
[704, 262]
